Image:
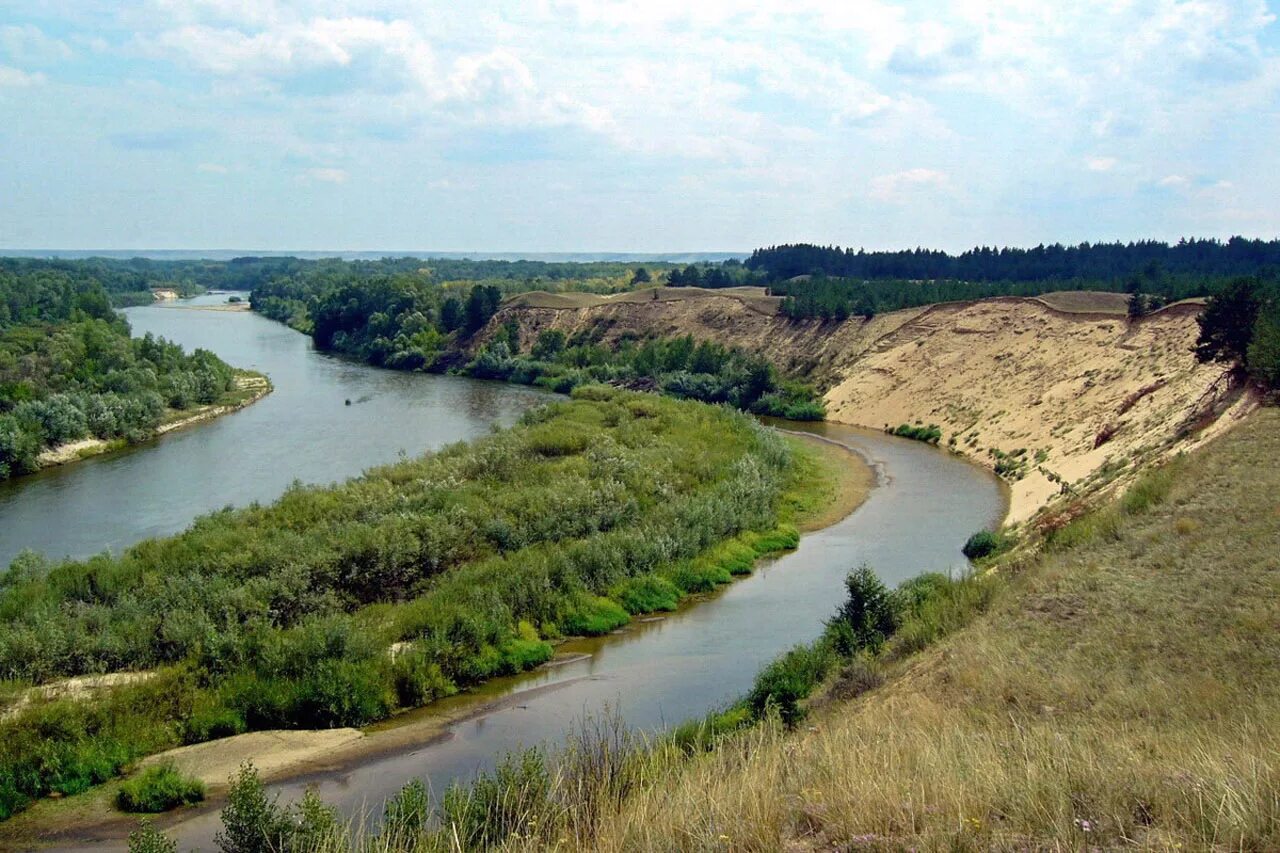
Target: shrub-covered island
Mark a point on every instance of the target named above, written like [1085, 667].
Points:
[338, 605]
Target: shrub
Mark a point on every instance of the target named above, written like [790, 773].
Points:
[593, 616]
[419, 679]
[407, 813]
[213, 721]
[159, 788]
[984, 543]
[783, 684]
[931, 434]
[496, 805]
[147, 839]
[868, 616]
[646, 594]
[251, 823]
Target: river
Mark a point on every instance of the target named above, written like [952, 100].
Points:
[302, 431]
[654, 673]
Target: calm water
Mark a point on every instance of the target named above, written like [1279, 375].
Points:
[301, 431]
[655, 673]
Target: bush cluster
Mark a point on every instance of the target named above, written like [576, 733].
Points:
[677, 367]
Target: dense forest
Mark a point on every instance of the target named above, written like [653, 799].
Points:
[831, 283]
[69, 369]
[336, 605]
[1087, 261]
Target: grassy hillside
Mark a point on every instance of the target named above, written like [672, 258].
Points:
[1123, 691]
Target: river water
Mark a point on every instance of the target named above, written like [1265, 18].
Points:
[654, 673]
[303, 430]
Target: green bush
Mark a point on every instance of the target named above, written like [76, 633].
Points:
[646, 594]
[868, 616]
[783, 684]
[158, 788]
[984, 543]
[931, 434]
[593, 615]
[495, 805]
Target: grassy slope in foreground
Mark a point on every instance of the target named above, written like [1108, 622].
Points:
[1124, 690]
[282, 616]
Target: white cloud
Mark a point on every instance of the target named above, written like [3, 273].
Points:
[212, 168]
[1100, 164]
[1173, 182]
[28, 45]
[894, 187]
[17, 78]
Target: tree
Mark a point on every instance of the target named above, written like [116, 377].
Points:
[1263, 355]
[868, 616]
[1227, 323]
[482, 303]
[1139, 305]
[641, 276]
[451, 314]
[550, 343]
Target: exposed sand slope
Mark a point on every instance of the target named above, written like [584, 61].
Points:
[1048, 376]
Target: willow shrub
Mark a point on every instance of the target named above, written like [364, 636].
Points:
[463, 562]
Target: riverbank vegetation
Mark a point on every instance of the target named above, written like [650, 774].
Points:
[1115, 686]
[336, 606]
[677, 367]
[70, 371]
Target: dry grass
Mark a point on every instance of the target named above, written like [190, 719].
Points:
[1123, 693]
[1087, 302]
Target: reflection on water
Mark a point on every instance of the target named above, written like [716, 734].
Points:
[302, 431]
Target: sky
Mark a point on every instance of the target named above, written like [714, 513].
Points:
[658, 126]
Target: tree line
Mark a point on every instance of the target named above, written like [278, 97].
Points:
[1056, 262]
[677, 367]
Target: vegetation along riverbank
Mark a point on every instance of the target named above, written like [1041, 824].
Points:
[1110, 682]
[73, 383]
[468, 562]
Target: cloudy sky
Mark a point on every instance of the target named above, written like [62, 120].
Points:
[665, 125]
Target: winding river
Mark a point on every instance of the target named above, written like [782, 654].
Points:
[654, 673]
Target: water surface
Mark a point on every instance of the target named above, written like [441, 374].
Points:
[301, 431]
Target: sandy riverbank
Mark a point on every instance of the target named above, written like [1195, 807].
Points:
[250, 387]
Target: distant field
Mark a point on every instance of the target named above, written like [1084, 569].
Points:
[1087, 301]
[753, 297]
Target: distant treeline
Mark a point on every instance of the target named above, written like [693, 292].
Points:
[1087, 261]
[839, 298]
[69, 369]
